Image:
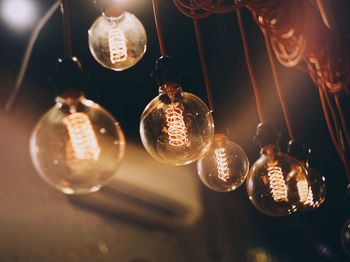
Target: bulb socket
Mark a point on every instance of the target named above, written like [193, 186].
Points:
[166, 70]
[108, 7]
[113, 11]
[299, 151]
[266, 135]
[220, 127]
[68, 75]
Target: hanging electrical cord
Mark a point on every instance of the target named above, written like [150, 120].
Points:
[25, 60]
[199, 9]
[68, 53]
[204, 65]
[247, 57]
[334, 130]
[323, 13]
[342, 119]
[278, 88]
[158, 27]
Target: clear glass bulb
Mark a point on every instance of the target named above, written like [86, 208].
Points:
[77, 146]
[316, 184]
[176, 127]
[225, 166]
[117, 40]
[276, 183]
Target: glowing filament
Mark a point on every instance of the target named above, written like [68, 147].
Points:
[310, 198]
[305, 192]
[75, 164]
[221, 164]
[277, 184]
[117, 46]
[82, 136]
[176, 126]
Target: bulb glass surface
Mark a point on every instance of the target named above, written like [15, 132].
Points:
[117, 42]
[176, 127]
[225, 166]
[77, 146]
[275, 181]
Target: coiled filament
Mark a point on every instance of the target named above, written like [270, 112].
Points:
[117, 46]
[82, 136]
[277, 184]
[176, 126]
[310, 198]
[221, 164]
[305, 192]
[74, 163]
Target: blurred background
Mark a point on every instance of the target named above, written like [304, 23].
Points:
[153, 212]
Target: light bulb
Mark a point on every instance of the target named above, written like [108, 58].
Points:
[77, 146]
[176, 127]
[312, 187]
[225, 166]
[276, 183]
[117, 40]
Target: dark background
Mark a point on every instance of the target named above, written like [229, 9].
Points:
[313, 236]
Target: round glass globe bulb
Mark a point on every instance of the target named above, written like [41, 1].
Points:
[117, 40]
[225, 166]
[176, 127]
[77, 146]
[277, 183]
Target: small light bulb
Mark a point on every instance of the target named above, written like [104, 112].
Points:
[312, 188]
[117, 40]
[276, 183]
[176, 127]
[68, 150]
[225, 166]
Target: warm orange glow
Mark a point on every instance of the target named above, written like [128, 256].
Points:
[82, 136]
[305, 192]
[176, 126]
[221, 164]
[310, 198]
[117, 46]
[277, 184]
